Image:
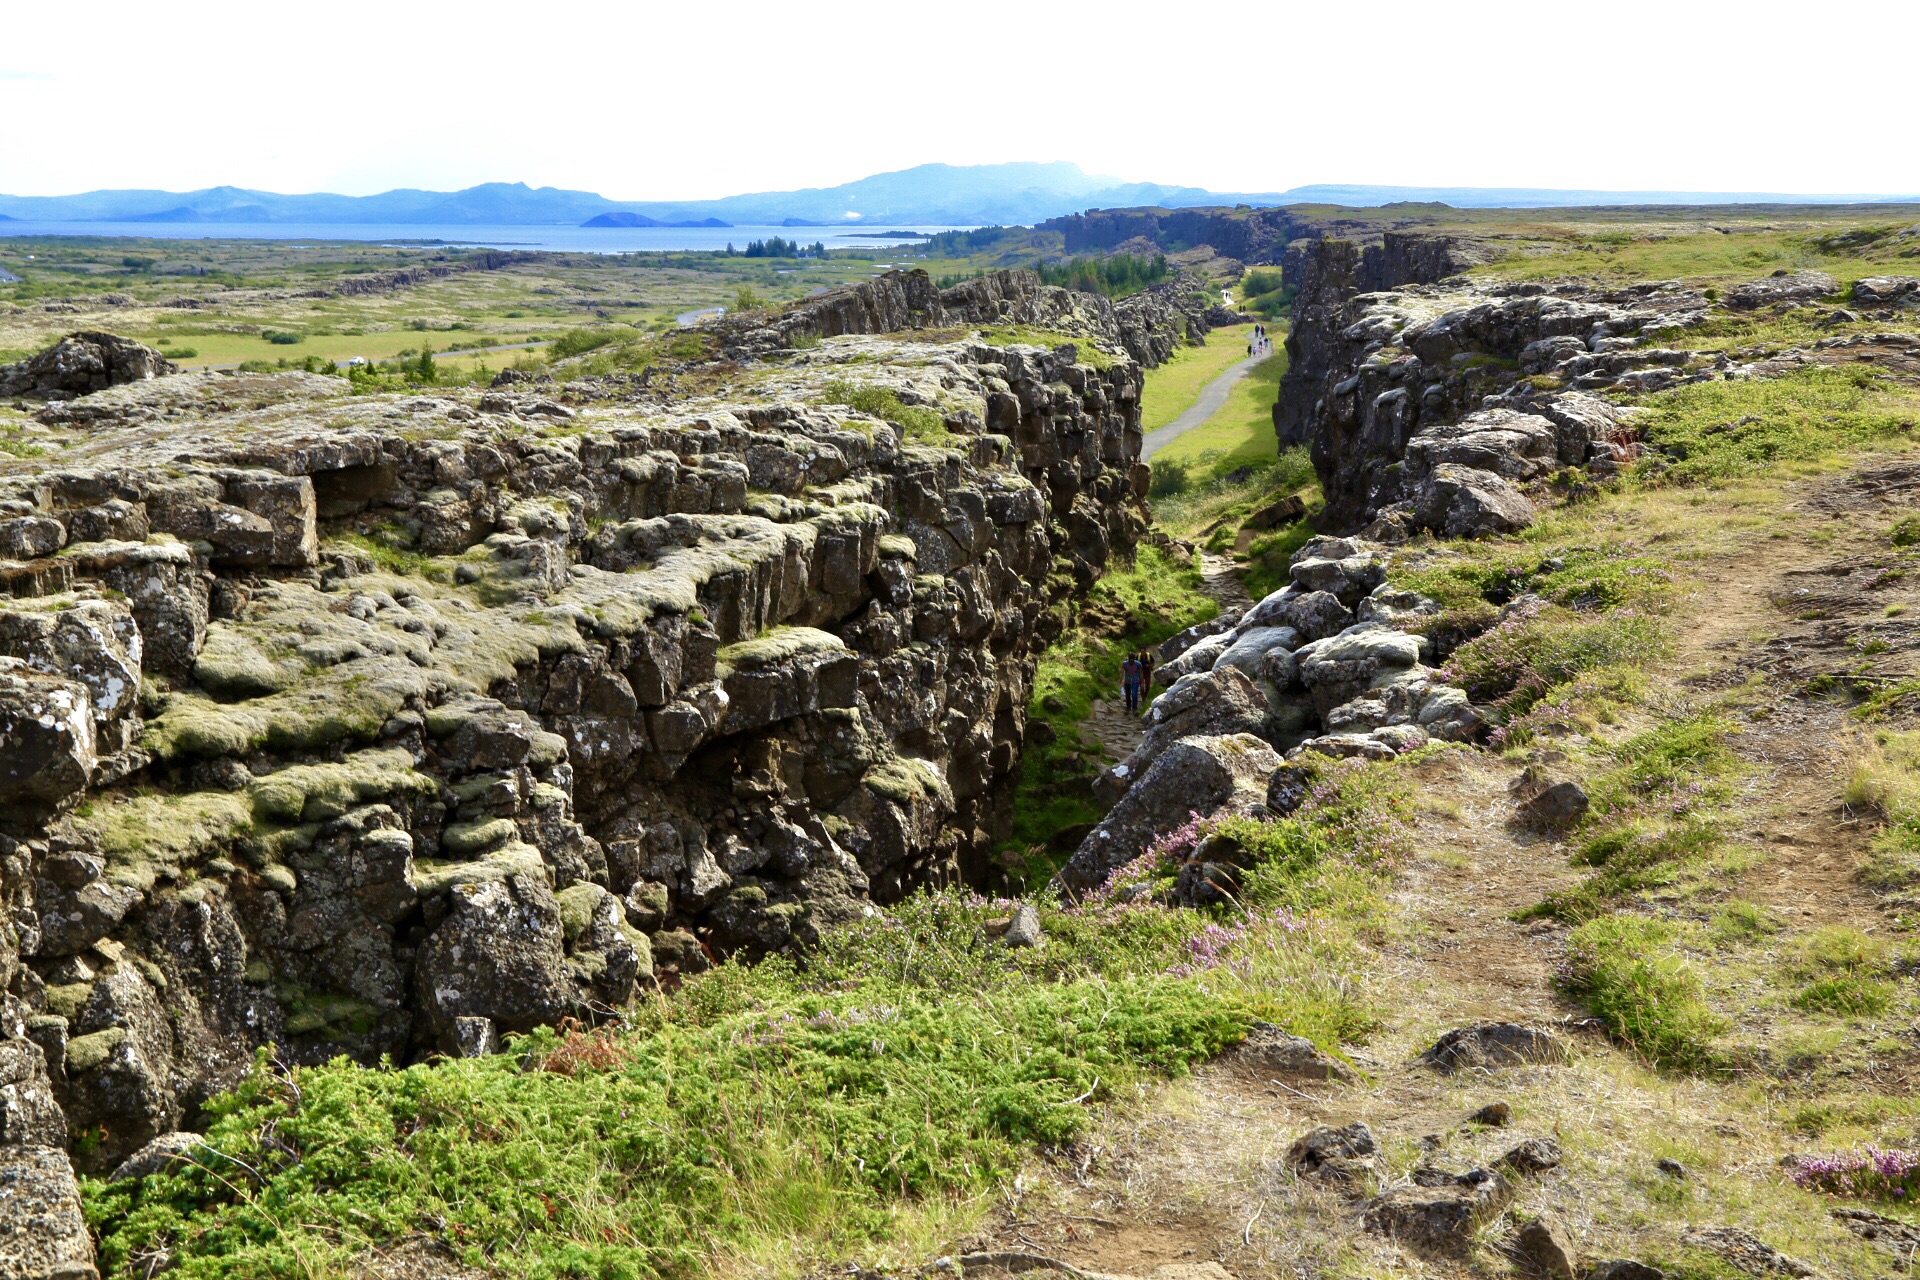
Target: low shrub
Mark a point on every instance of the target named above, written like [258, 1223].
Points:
[1516, 663]
[918, 424]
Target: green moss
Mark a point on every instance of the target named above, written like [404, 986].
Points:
[479, 836]
[433, 878]
[777, 646]
[84, 1053]
[148, 837]
[905, 780]
[319, 792]
[67, 1001]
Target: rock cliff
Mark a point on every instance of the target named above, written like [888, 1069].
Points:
[1426, 398]
[386, 724]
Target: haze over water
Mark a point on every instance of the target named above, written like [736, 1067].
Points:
[571, 239]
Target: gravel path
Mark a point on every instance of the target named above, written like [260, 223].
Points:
[1212, 398]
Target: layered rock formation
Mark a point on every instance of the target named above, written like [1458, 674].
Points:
[83, 362]
[390, 724]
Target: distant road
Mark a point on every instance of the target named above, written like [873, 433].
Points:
[1212, 398]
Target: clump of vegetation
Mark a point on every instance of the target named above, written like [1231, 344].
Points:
[1263, 292]
[762, 1102]
[1842, 972]
[577, 342]
[1515, 664]
[1627, 973]
[918, 424]
[1870, 1173]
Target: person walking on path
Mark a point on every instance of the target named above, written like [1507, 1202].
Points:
[1130, 673]
[1146, 672]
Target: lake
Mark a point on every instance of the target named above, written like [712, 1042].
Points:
[567, 238]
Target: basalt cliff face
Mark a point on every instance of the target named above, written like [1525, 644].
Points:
[386, 724]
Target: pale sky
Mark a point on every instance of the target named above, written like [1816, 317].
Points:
[641, 100]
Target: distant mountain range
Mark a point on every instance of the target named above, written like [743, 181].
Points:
[928, 195]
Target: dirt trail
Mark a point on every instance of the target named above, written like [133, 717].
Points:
[1195, 1176]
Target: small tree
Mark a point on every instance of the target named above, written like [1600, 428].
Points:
[747, 300]
[423, 369]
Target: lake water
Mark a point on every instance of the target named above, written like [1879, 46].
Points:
[571, 239]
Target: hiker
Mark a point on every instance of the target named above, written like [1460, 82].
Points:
[1146, 672]
[1130, 674]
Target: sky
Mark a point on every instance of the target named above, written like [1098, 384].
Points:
[640, 100]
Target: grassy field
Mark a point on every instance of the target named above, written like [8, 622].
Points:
[1174, 385]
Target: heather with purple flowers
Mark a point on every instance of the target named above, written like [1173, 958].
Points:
[1872, 1172]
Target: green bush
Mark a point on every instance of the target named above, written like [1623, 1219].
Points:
[576, 342]
[918, 424]
[282, 338]
[1169, 478]
[1623, 968]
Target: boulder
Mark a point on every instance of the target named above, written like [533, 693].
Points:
[1270, 1051]
[166, 1150]
[1176, 645]
[1624, 1269]
[1552, 806]
[1209, 775]
[1746, 1251]
[1467, 502]
[1024, 929]
[1540, 1249]
[1313, 614]
[498, 955]
[1782, 287]
[1440, 1213]
[1346, 1155]
[1250, 647]
[1348, 568]
[43, 1235]
[1535, 1155]
[81, 363]
[1204, 703]
[1881, 291]
[1496, 1044]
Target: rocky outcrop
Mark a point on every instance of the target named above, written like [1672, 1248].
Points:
[1148, 325]
[1434, 406]
[1783, 287]
[396, 725]
[80, 363]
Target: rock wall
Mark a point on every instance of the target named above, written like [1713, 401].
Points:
[1147, 325]
[376, 725]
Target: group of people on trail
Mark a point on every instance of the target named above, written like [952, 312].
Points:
[1136, 677]
[1258, 343]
